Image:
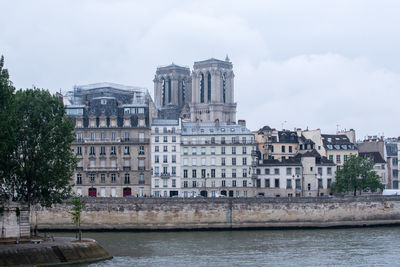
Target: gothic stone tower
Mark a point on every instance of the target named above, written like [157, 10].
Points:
[172, 89]
[213, 91]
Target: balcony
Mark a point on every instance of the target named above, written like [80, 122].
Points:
[100, 169]
[254, 153]
[141, 168]
[127, 168]
[136, 140]
[165, 175]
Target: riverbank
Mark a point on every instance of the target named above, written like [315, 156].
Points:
[224, 213]
[51, 252]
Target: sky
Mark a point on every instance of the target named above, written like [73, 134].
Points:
[332, 65]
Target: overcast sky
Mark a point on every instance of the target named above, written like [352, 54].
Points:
[316, 64]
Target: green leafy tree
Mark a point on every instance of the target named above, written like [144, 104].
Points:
[44, 158]
[7, 133]
[356, 174]
[78, 204]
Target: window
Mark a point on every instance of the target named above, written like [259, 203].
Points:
[156, 182]
[244, 139]
[244, 172]
[203, 150]
[112, 136]
[233, 161]
[244, 183]
[173, 148]
[194, 151]
[223, 150]
[173, 158]
[297, 171]
[233, 173]
[223, 141]
[213, 151]
[212, 173]
[185, 184]
[126, 150]
[276, 183]
[244, 161]
[194, 161]
[244, 150]
[141, 164]
[174, 138]
[283, 149]
[79, 137]
[320, 183]
[223, 183]
[194, 184]
[156, 130]
[329, 170]
[165, 158]
[156, 171]
[212, 161]
[91, 136]
[320, 171]
[267, 185]
[329, 183]
[102, 136]
[141, 178]
[165, 139]
[234, 183]
[234, 141]
[156, 139]
[194, 174]
[298, 185]
[233, 150]
[345, 158]
[112, 150]
[79, 178]
[156, 159]
[266, 171]
[203, 161]
[102, 150]
[258, 171]
[203, 173]
[126, 136]
[173, 182]
[113, 178]
[165, 148]
[223, 161]
[288, 183]
[338, 158]
[331, 157]
[212, 140]
[185, 151]
[288, 171]
[185, 173]
[276, 171]
[127, 179]
[290, 149]
[92, 151]
[223, 173]
[165, 130]
[102, 178]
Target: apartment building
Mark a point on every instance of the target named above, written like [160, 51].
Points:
[112, 126]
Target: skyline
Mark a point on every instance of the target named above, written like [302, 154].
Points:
[317, 65]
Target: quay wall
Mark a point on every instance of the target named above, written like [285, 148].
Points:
[223, 213]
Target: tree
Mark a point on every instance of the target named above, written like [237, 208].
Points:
[78, 204]
[44, 158]
[7, 133]
[356, 174]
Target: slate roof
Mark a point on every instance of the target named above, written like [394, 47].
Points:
[391, 149]
[287, 137]
[375, 156]
[211, 128]
[337, 142]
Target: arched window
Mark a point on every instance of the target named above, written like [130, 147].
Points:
[209, 87]
[183, 92]
[163, 92]
[224, 88]
[169, 90]
[202, 88]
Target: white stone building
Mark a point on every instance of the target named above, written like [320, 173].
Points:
[166, 158]
[217, 159]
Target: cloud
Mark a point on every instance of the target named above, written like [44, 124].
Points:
[318, 91]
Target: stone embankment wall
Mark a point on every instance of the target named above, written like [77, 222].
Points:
[225, 213]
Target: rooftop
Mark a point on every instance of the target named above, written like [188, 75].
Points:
[211, 128]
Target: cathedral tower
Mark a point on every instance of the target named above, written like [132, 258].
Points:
[213, 91]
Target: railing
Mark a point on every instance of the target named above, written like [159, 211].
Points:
[96, 168]
[199, 143]
[165, 175]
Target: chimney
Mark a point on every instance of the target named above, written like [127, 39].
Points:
[242, 123]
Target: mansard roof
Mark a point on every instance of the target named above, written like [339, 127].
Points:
[287, 137]
[337, 142]
[212, 128]
[375, 156]
[391, 149]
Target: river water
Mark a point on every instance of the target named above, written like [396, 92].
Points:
[376, 246]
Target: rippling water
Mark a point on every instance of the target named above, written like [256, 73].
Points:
[378, 246]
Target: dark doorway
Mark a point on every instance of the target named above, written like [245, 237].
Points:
[230, 193]
[127, 192]
[92, 192]
[173, 193]
[203, 193]
[223, 192]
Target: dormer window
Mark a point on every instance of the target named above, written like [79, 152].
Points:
[103, 101]
[127, 111]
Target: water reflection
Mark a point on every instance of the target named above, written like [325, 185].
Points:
[322, 247]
